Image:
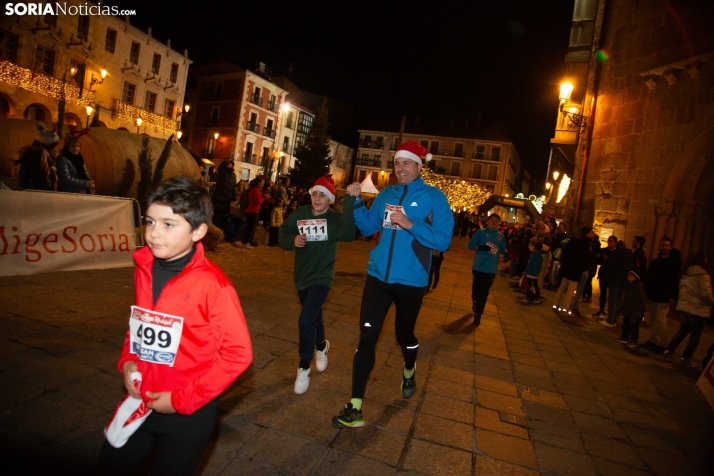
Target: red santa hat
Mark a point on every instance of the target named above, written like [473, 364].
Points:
[413, 150]
[325, 185]
[128, 416]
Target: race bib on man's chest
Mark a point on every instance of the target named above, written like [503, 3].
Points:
[388, 211]
[316, 230]
[154, 336]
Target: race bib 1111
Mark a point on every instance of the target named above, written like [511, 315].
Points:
[316, 230]
[154, 336]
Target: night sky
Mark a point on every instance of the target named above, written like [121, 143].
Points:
[448, 59]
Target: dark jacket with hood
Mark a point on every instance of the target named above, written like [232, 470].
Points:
[620, 263]
[575, 258]
[662, 281]
[225, 189]
[634, 300]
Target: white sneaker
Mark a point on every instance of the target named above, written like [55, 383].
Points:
[302, 382]
[321, 357]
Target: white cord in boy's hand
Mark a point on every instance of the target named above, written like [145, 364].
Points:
[162, 402]
[300, 241]
[128, 368]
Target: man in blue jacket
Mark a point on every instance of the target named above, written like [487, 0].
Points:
[412, 219]
[489, 244]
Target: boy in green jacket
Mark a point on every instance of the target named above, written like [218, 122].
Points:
[313, 232]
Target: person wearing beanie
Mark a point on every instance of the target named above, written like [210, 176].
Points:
[412, 219]
[37, 162]
[634, 303]
[312, 232]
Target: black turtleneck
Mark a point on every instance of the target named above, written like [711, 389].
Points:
[162, 271]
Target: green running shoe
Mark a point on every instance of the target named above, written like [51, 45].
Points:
[409, 385]
[349, 417]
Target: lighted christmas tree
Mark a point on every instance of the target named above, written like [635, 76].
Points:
[462, 195]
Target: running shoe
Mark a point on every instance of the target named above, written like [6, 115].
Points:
[632, 344]
[349, 417]
[321, 357]
[599, 315]
[622, 340]
[606, 324]
[474, 309]
[409, 385]
[302, 382]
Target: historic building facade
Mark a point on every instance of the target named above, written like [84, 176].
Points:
[97, 61]
[463, 154]
[643, 89]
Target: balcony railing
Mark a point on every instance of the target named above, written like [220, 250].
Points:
[130, 113]
[257, 100]
[474, 176]
[287, 149]
[290, 124]
[479, 155]
[371, 144]
[390, 164]
[253, 126]
[249, 158]
[272, 106]
[25, 78]
[269, 132]
[450, 153]
[496, 156]
[370, 162]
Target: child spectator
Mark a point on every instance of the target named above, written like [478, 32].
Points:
[535, 263]
[187, 340]
[291, 208]
[634, 303]
[276, 219]
[313, 232]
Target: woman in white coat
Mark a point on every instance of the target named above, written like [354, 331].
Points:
[694, 305]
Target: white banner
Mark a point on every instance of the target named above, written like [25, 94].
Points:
[42, 232]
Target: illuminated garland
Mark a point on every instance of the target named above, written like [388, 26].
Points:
[130, 113]
[26, 78]
[462, 195]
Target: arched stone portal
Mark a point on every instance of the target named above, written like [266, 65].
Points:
[37, 112]
[7, 106]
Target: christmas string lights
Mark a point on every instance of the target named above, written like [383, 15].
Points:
[131, 113]
[462, 195]
[26, 78]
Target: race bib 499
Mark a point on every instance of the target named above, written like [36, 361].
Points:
[154, 336]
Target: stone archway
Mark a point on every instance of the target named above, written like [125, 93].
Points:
[37, 112]
[71, 119]
[7, 106]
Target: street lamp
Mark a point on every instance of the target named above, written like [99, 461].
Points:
[186, 107]
[179, 134]
[548, 185]
[556, 174]
[94, 80]
[285, 107]
[216, 135]
[566, 89]
[139, 121]
[89, 110]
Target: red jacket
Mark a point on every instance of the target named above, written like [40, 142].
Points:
[256, 199]
[215, 345]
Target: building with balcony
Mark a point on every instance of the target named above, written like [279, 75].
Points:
[462, 152]
[102, 61]
[235, 115]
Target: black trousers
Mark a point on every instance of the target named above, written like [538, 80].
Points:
[603, 294]
[377, 298]
[533, 291]
[631, 328]
[179, 441]
[251, 223]
[480, 288]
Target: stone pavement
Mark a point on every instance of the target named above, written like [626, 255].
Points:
[525, 393]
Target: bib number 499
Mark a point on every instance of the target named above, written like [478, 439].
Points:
[149, 336]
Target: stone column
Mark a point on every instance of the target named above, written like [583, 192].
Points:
[683, 228]
[700, 220]
[663, 211]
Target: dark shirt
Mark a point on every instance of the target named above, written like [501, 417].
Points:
[163, 271]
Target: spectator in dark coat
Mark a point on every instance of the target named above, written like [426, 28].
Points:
[639, 254]
[602, 275]
[573, 269]
[223, 193]
[634, 303]
[662, 288]
[620, 264]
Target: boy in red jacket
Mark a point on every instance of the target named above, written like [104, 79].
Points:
[187, 340]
